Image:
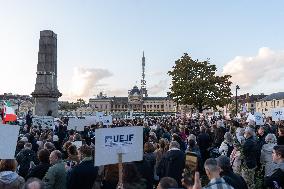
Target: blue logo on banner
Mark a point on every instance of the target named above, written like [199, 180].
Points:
[115, 140]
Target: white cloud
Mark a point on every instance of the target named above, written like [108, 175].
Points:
[161, 86]
[85, 81]
[250, 72]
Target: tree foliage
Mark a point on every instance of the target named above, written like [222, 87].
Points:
[195, 83]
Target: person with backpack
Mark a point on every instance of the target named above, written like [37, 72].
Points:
[227, 147]
[25, 158]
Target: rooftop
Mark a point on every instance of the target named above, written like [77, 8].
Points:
[274, 96]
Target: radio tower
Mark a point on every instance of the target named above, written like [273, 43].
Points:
[143, 81]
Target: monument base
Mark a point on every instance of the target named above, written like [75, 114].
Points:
[46, 106]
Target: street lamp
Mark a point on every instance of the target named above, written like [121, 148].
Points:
[237, 87]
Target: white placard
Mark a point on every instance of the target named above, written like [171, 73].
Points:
[43, 121]
[250, 118]
[216, 114]
[78, 144]
[107, 120]
[91, 120]
[8, 140]
[77, 124]
[258, 118]
[111, 141]
[100, 116]
[277, 114]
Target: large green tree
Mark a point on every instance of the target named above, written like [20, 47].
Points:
[195, 83]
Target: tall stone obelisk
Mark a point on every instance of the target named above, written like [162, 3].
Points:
[46, 93]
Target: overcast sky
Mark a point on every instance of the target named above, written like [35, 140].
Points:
[100, 43]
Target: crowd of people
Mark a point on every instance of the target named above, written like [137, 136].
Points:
[178, 153]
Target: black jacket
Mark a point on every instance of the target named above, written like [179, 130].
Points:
[38, 171]
[82, 176]
[24, 158]
[280, 140]
[250, 152]
[172, 165]
[277, 178]
[234, 180]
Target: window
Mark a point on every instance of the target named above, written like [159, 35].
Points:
[277, 102]
[251, 105]
[162, 106]
[265, 103]
[158, 106]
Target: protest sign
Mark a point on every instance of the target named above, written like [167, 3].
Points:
[43, 121]
[8, 140]
[100, 116]
[250, 118]
[77, 124]
[258, 118]
[110, 142]
[277, 114]
[91, 120]
[107, 120]
[78, 144]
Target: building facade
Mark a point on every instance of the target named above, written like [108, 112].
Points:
[266, 104]
[134, 102]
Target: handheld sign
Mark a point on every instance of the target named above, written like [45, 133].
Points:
[107, 120]
[110, 142]
[77, 124]
[250, 118]
[8, 140]
[43, 121]
[277, 114]
[258, 118]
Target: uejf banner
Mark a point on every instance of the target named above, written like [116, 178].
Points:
[277, 114]
[8, 140]
[111, 141]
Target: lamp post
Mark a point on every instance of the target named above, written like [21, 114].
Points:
[237, 87]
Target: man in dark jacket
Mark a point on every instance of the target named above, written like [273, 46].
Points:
[249, 153]
[85, 173]
[228, 175]
[40, 170]
[280, 138]
[276, 179]
[172, 163]
[24, 159]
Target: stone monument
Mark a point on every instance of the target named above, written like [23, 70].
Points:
[46, 93]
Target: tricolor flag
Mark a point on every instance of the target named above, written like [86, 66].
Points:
[9, 113]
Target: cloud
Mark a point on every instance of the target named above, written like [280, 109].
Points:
[85, 81]
[161, 86]
[248, 72]
[117, 92]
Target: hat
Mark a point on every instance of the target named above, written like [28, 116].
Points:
[55, 138]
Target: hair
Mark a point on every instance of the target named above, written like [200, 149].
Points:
[224, 163]
[191, 137]
[281, 130]
[271, 138]
[66, 145]
[58, 154]
[49, 146]
[8, 165]
[33, 180]
[85, 150]
[149, 147]
[211, 165]
[77, 137]
[72, 150]
[130, 173]
[228, 137]
[279, 150]
[43, 155]
[174, 144]
[168, 182]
